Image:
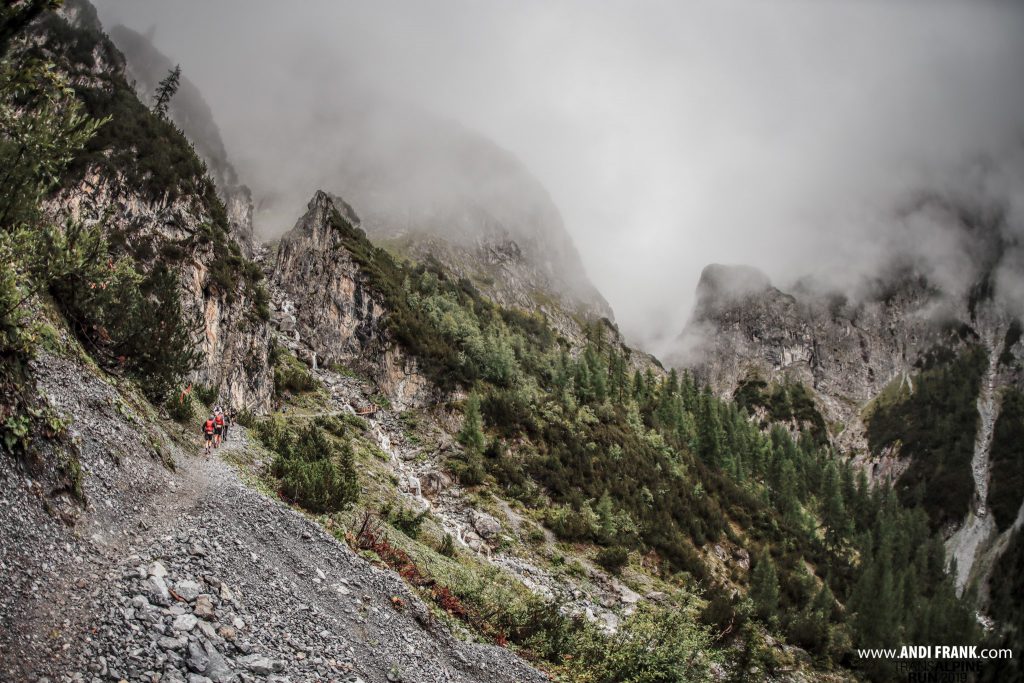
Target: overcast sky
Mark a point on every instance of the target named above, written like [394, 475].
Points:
[669, 134]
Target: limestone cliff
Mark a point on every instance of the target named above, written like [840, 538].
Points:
[142, 181]
[847, 352]
[232, 342]
[330, 310]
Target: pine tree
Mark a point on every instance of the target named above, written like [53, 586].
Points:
[166, 90]
[833, 510]
[764, 588]
[639, 390]
[672, 383]
[472, 433]
[785, 498]
[607, 526]
[709, 430]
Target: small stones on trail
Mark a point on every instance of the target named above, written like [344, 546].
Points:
[157, 591]
[204, 608]
[184, 622]
[188, 590]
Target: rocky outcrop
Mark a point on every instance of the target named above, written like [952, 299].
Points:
[238, 202]
[331, 311]
[233, 343]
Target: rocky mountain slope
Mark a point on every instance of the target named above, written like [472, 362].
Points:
[145, 67]
[176, 568]
[873, 374]
[147, 563]
[341, 320]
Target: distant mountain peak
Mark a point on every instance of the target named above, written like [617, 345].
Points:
[730, 281]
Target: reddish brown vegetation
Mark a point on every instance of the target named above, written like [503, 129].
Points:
[369, 535]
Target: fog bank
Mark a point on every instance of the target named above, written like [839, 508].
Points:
[792, 136]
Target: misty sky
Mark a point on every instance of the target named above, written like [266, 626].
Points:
[669, 134]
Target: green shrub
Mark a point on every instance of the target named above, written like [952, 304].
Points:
[406, 520]
[291, 375]
[468, 468]
[180, 408]
[613, 559]
[318, 485]
[447, 546]
[261, 302]
[653, 645]
[246, 418]
[572, 524]
[331, 424]
[534, 534]
[313, 470]
[206, 395]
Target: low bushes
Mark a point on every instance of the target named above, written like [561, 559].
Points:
[290, 374]
[313, 469]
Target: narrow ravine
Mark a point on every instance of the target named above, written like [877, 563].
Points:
[979, 527]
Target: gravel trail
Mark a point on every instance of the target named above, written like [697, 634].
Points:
[193, 576]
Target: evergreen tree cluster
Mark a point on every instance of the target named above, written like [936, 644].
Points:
[935, 426]
[1006, 454]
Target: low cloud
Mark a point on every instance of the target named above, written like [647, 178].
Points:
[792, 136]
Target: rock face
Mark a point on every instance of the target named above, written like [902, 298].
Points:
[847, 353]
[331, 309]
[485, 525]
[233, 344]
[161, 218]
